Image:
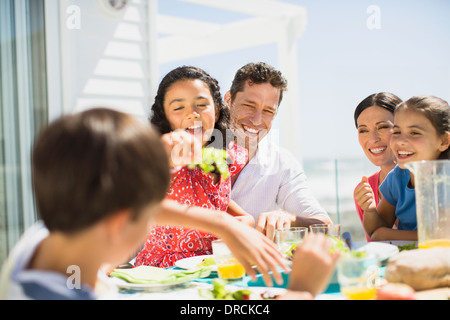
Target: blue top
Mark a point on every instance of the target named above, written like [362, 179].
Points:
[22, 283]
[396, 191]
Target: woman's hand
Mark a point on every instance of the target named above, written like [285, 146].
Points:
[237, 212]
[247, 220]
[364, 196]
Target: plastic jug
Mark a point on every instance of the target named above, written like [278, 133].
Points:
[432, 186]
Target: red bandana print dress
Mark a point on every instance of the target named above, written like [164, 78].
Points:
[167, 244]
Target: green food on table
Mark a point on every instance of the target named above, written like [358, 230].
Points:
[207, 262]
[407, 247]
[290, 252]
[337, 245]
[358, 254]
[153, 275]
[213, 161]
[220, 292]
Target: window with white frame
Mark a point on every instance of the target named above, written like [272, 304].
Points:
[23, 112]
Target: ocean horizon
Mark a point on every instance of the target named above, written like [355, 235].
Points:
[332, 182]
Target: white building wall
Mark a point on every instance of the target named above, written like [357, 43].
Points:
[105, 57]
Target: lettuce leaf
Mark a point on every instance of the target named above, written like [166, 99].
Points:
[213, 161]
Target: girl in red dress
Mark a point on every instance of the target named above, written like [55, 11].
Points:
[189, 99]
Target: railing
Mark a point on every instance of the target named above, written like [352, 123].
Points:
[332, 182]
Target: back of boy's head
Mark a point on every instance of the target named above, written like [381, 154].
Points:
[92, 164]
[436, 110]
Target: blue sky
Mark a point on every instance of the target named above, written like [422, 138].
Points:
[341, 61]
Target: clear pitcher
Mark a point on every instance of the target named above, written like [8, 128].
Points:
[432, 186]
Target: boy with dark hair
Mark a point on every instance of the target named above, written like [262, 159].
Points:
[99, 176]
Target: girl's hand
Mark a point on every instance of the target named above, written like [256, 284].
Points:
[364, 196]
[250, 247]
[247, 220]
[238, 213]
[182, 148]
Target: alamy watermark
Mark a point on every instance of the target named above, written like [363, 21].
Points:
[373, 22]
[73, 21]
[266, 156]
[74, 277]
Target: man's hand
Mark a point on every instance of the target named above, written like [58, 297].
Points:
[268, 222]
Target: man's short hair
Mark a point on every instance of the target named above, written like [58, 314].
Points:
[258, 73]
[89, 165]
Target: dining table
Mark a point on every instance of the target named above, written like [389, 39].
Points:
[192, 290]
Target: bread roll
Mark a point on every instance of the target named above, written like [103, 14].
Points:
[421, 269]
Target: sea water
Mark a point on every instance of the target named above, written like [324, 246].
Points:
[332, 182]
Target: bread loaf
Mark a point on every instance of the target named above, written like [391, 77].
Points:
[421, 269]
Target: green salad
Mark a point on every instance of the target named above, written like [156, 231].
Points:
[220, 292]
[207, 262]
[406, 247]
[337, 245]
[213, 161]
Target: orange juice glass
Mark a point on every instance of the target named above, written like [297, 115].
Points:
[432, 191]
[358, 277]
[359, 292]
[228, 267]
[434, 243]
[231, 270]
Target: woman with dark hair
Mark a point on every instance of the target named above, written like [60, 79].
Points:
[374, 119]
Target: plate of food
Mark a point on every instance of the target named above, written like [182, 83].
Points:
[146, 278]
[204, 261]
[383, 251]
[146, 287]
[402, 245]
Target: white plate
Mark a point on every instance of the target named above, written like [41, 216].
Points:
[382, 250]
[400, 242]
[193, 262]
[148, 287]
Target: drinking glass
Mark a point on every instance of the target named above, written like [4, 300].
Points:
[333, 230]
[286, 239]
[228, 266]
[358, 277]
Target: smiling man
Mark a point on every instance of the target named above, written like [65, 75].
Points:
[272, 186]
